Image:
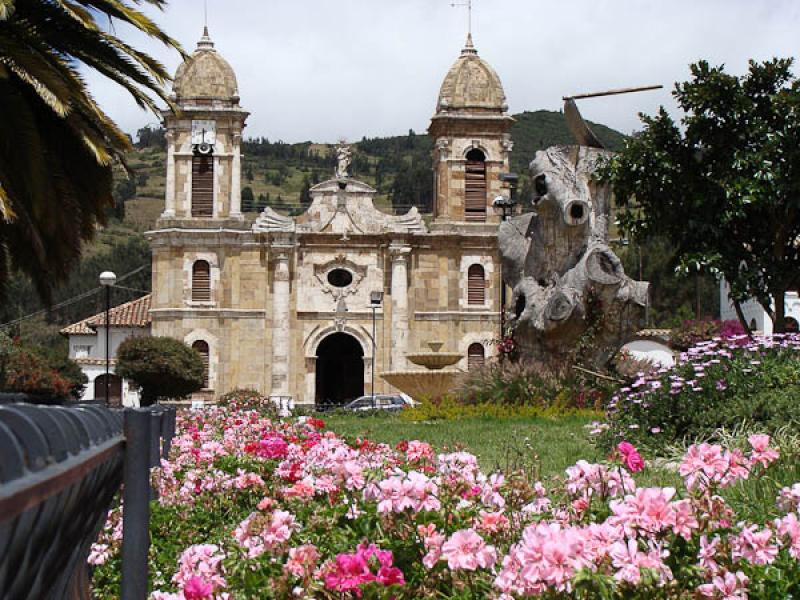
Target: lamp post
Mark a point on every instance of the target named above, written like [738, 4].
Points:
[506, 206]
[375, 300]
[107, 280]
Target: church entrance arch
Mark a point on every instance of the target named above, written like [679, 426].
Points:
[340, 369]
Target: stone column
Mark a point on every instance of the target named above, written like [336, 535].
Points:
[280, 325]
[236, 177]
[169, 195]
[399, 255]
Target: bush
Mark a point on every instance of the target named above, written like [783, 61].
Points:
[245, 399]
[527, 383]
[716, 384]
[692, 332]
[163, 367]
[25, 371]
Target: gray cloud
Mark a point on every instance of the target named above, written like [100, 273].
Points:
[325, 69]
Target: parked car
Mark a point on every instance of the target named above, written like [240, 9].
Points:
[381, 402]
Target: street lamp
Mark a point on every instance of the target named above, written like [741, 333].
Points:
[506, 206]
[375, 300]
[107, 280]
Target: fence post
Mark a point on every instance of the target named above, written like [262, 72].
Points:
[136, 504]
[169, 430]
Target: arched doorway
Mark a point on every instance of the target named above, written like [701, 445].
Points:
[114, 389]
[340, 369]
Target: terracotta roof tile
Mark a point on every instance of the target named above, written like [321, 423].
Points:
[131, 314]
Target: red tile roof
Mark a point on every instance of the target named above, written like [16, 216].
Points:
[131, 314]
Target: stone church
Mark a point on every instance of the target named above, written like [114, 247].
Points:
[287, 305]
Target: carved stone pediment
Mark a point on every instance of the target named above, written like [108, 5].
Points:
[358, 272]
[345, 207]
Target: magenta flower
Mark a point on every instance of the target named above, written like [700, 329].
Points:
[631, 458]
[197, 589]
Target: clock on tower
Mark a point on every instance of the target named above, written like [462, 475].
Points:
[204, 136]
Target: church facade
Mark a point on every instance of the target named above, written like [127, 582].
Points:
[316, 307]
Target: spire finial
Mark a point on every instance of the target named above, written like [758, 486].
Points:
[205, 42]
[469, 47]
[468, 5]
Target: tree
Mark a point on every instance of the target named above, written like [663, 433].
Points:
[247, 199]
[305, 193]
[151, 137]
[163, 367]
[723, 186]
[58, 145]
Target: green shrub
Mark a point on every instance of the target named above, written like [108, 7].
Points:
[527, 383]
[163, 367]
[715, 385]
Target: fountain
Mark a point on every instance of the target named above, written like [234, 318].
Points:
[434, 380]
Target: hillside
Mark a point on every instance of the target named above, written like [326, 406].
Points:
[278, 174]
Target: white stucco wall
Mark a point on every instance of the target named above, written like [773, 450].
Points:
[90, 353]
[754, 313]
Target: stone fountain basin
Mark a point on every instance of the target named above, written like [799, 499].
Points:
[423, 385]
[435, 360]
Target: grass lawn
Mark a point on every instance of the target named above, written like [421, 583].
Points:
[552, 443]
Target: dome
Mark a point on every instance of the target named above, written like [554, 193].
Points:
[205, 74]
[471, 85]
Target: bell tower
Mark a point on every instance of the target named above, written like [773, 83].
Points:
[204, 139]
[471, 141]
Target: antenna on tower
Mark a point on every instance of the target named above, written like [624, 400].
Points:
[468, 5]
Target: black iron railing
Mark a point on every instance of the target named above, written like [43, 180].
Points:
[60, 469]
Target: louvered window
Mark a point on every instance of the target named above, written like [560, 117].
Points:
[202, 347]
[476, 285]
[202, 186]
[475, 357]
[475, 187]
[201, 281]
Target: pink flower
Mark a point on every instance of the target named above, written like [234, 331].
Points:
[468, 551]
[708, 554]
[762, 453]
[259, 533]
[726, 587]
[754, 546]
[302, 560]
[200, 569]
[491, 522]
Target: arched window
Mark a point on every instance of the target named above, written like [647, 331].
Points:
[475, 186]
[201, 281]
[476, 285]
[476, 357]
[202, 186]
[202, 347]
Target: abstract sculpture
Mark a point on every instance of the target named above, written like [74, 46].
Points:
[571, 297]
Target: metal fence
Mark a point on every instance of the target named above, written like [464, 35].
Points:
[60, 469]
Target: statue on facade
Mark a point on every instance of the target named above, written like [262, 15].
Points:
[344, 158]
[571, 296]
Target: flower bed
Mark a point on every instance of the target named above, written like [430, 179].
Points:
[721, 383]
[254, 508]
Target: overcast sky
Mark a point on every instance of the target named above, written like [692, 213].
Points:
[325, 69]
